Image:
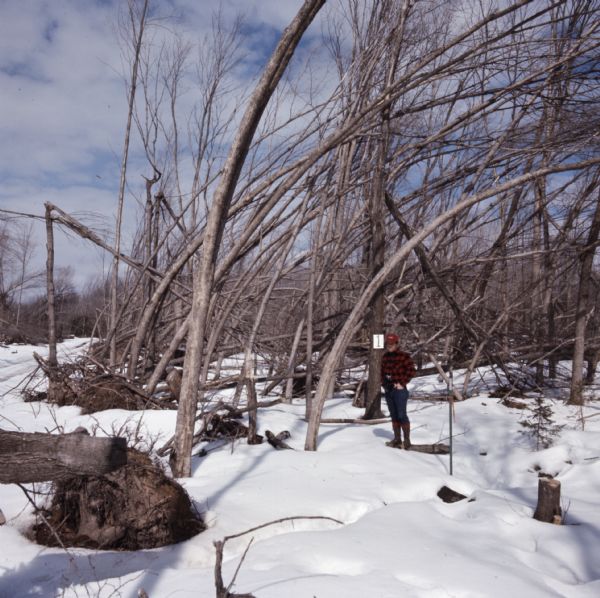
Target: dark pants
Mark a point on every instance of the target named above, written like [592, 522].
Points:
[396, 399]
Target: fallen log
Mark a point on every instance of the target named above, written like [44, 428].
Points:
[40, 457]
[366, 422]
[432, 449]
[277, 441]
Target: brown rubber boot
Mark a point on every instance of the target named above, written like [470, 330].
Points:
[406, 430]
[397, 440]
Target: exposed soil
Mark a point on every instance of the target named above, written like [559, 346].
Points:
[91, 389]
[133, 508]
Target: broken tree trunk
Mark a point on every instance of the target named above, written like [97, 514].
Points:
[42, 457]
[174, 382]
[584, 300]
[215, 224]
[52, 360]
[139, 33]
[548, 506]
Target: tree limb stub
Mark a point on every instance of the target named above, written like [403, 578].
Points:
[40, 457]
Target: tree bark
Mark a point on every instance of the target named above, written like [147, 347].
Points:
[376, 318]
[39, 457]
[548, 505]
[592, 364]
[52, 359]
[310, 310]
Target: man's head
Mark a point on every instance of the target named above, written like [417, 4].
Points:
[391, 340]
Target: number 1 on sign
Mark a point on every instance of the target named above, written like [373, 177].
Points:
[378, 341]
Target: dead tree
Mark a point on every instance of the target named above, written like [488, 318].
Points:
[583, 300]
[214, 229]
[52, 360]
[224, 592]
[493, 173]
[138, 25]
[347, 331]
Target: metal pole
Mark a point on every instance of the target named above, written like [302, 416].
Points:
[450, 385]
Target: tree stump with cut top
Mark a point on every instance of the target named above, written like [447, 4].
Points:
[548, 505]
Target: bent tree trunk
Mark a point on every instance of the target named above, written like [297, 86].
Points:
[583, 299]
[345, 335]
[203, 283]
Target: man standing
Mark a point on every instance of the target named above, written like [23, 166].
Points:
[397, 369]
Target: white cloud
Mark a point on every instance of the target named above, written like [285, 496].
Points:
[63, 101]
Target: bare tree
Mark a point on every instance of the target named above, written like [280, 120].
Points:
[214, 229]
[138, 24]
[437, 187]
[583, 303]
[52, 360]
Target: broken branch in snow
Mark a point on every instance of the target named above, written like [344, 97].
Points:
[278, 441]
[233, 412]
[222, 591]
[367, 422]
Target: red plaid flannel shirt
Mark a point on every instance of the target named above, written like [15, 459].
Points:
[398, 367]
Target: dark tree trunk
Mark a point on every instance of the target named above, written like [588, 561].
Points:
[583, 301]
[52, 360]
[548, 506]
[592, 363]
[42, 457]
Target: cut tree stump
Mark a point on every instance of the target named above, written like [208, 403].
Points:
[39, 457]
[548, 506]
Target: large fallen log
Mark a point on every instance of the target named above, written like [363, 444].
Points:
[366, 422]
[433, 449]
[37, 457]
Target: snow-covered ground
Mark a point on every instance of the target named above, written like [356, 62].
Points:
[394, 538]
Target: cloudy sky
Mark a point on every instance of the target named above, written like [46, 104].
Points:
[63, 102]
